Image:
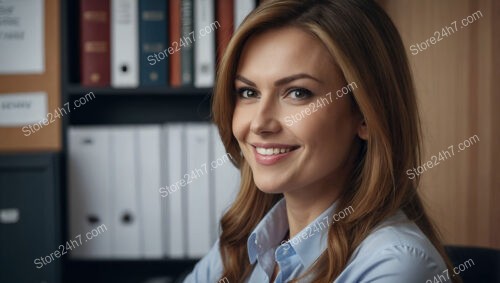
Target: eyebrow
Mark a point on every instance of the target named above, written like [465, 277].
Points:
[281, 81]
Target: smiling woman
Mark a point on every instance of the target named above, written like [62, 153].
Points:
[353, 153]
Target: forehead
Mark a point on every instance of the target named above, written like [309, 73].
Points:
[283, 51]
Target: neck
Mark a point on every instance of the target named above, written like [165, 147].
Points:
[303, 206]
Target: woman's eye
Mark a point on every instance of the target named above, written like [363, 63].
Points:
[247, 93]
[300, 93]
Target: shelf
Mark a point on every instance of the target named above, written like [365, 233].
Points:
[139, 106]
[123, 271]
[158, 91]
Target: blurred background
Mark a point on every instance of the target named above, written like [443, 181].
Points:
[111, 172]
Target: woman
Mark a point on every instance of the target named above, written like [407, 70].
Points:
[314, 101]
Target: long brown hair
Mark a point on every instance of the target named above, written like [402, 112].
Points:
[369, 51]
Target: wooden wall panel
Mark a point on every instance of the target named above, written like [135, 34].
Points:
[457, 97]
[495, 103]
[49, 137]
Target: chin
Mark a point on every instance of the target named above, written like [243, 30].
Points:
[270, 187]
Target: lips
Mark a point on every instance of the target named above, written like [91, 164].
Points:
[269, 154]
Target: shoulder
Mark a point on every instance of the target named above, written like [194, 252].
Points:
[396, 231]
[396, 251]
[208, 269]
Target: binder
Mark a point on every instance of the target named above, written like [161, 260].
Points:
[125, 225]
[225, 16]
[124, 43]
[164, 218]
[153, 41]
[204, 48]
[176, 194]
[227, 180]
[174, 26]
[197, 175]
[89, 190]
[186, 51]
[149, 181]
[94, 42]
[241, 9]
[115, 178]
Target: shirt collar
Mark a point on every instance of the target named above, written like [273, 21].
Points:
[269, 232]
[311, 242]
[308, 244]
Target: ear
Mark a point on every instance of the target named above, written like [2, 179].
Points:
[363, 130]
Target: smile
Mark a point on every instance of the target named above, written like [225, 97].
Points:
[272, 151]
[271, 154]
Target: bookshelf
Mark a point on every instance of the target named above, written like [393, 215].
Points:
[112, 106]
[139, 106]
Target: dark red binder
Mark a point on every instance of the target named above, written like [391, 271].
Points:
[95, 65]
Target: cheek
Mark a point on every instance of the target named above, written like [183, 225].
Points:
[327, 133]
[240, 123]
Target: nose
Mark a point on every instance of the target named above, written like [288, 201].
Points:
[265, 120]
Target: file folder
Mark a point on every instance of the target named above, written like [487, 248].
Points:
[176, 198]
[227, 180]
[125, 225]
[89, 191]
[148, 148]
[198, 194]
[124, 43]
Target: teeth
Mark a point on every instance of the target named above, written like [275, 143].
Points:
[271, 151]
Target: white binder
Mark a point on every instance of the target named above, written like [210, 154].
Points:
[241, 9]
[148, 149]
[89, 191]
[124, 43]
[227, 180]
[204, 47]
[197, 178]
[125, 226]
[176, 194]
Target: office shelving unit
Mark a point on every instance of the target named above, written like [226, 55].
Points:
[142, 105]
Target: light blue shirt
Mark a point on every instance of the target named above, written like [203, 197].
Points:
[395, 252]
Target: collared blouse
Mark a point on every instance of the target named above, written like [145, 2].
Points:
[395, 252]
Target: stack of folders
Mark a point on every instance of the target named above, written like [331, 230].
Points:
[131, 43]
[160, 190]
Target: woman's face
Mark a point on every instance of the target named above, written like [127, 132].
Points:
[290, 144]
